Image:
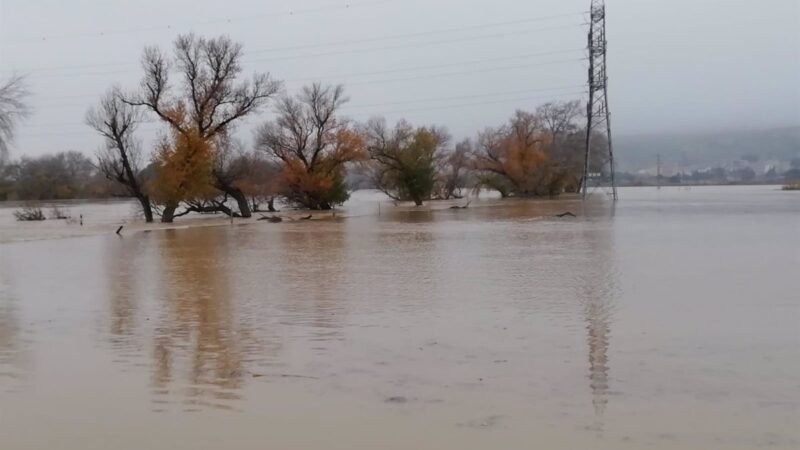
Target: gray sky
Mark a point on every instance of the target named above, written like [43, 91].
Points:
[674, 65]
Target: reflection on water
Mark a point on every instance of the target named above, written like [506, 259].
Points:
[195, 329]
[14, 337]
[124, 291]
[599, 291]
[451, 329]
[599, 332]
[309, 269]
[9, 327]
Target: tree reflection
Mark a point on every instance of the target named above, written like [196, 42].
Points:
[12, 360]
[313, 260]
[9, 330]
[197, 340]
[125, 286]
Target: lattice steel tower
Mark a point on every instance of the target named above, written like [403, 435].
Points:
[598, 169]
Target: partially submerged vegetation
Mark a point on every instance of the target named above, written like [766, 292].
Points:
[312, 146]
[56, 213]
[35, 214]
[29, 214]
[304, 156]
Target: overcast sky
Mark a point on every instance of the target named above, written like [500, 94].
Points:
[674, 65]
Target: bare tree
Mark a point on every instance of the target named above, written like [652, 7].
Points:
[565, 148]
[120, 159]
[312, 145]
[13, 108]
[454, 170]
[558, 118]
[251, 171]
[211, 99]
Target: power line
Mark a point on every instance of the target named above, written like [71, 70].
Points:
[170, 27]
[418, 44]
[526, 91]
[316, 55]
[418, 34]
[392, 80]
[447, 74]
[357, 106]
[461, 105]
[503, 33]
[326, 44]
[401, 69]
[366, 114]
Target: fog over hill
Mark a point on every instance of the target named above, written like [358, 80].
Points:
[703, 150]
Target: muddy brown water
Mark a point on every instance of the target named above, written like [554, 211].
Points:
[671, 321]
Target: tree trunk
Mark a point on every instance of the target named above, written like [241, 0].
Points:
[238, 195]
[417, 201]
[271, 205]
[168, 214]
[241, 200]
[146, 208]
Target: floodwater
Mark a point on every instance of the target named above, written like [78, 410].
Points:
[671, 321]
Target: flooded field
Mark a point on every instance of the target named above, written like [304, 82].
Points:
[667, 322]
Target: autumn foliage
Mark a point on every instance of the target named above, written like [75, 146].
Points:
[199, 94]
[534, 154]
[212, 98]
[312, 146]
[183, 170]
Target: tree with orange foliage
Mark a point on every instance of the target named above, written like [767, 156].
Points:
[512, 159]
[534, 154]
[312, 146]
[211, 95]
[183, 167]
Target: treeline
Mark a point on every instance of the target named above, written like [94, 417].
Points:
[307, 152]
[62, 176]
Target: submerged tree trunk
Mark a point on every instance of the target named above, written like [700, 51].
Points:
[241, 200]
[213, 208]
[238, 195]
[168, 215]
[417, 201]
[146, 208]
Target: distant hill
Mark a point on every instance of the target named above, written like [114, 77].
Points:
[635, 153]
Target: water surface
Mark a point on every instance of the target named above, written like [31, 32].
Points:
[669, 321]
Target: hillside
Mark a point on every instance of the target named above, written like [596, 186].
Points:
[694, 151]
